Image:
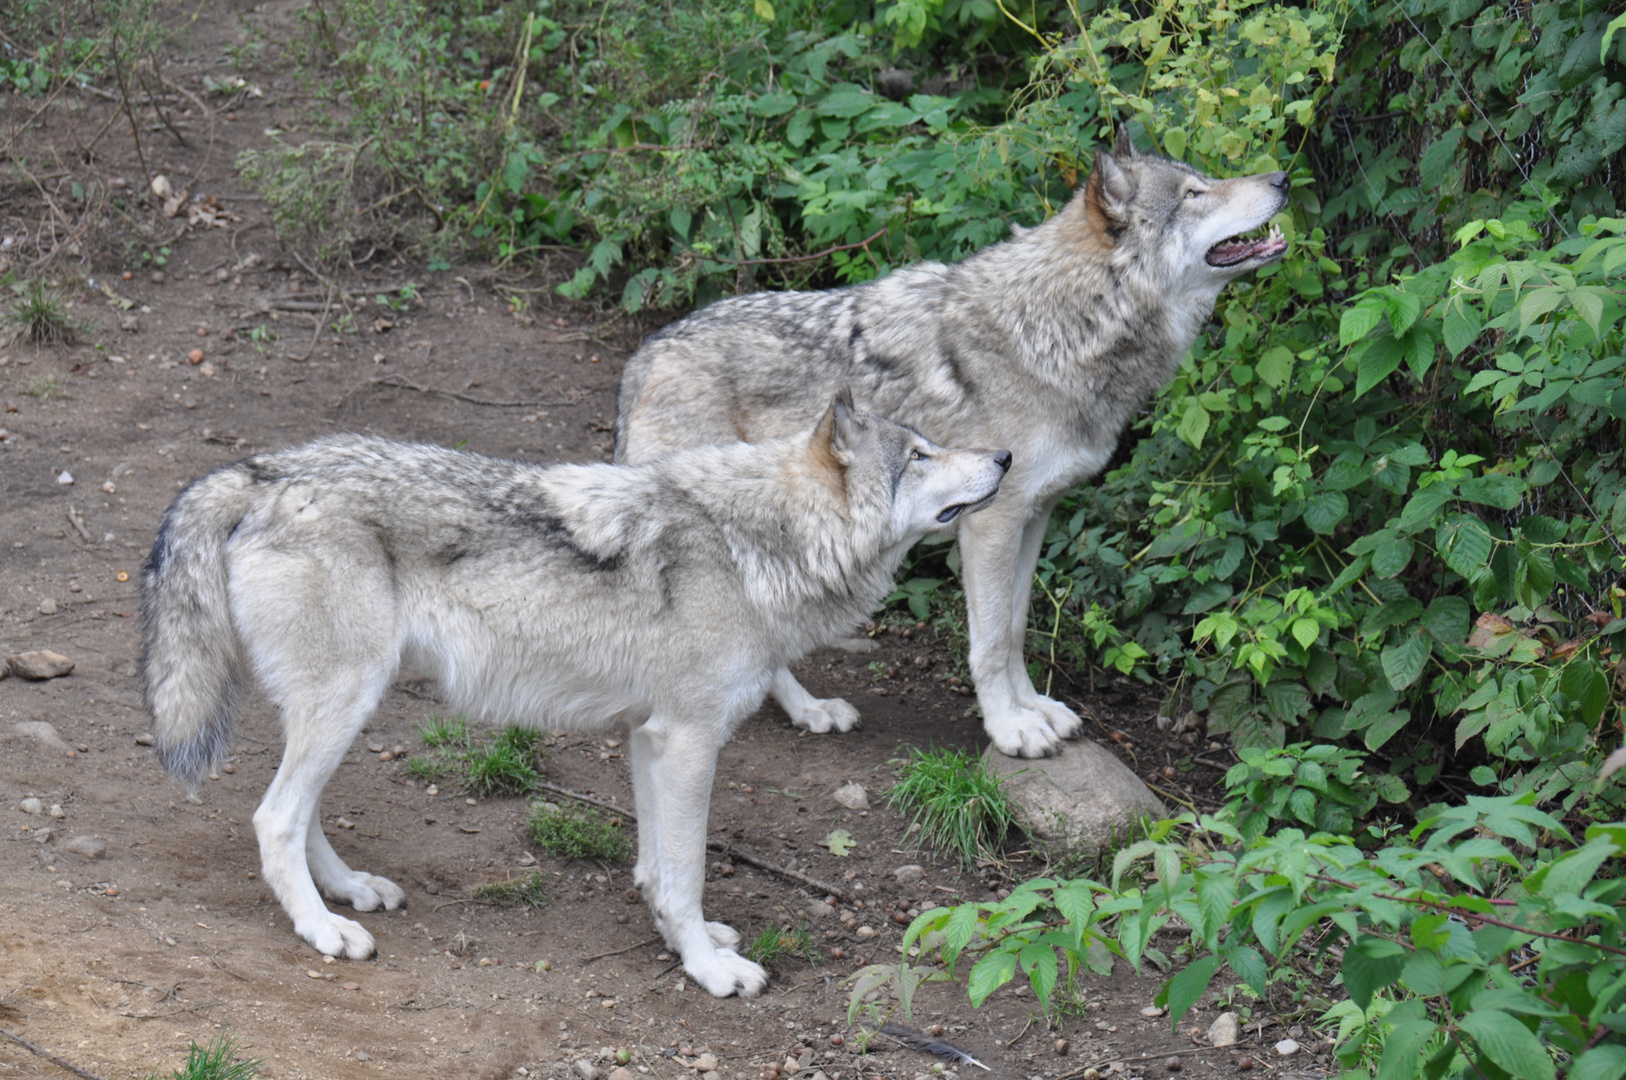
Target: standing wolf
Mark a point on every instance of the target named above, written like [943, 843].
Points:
[662, 597]
[1047, 343]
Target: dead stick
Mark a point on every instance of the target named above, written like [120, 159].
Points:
[403, 384]
[618, 952]
[61, 1063]
[79, 525]
[713, 845]
[317, 332]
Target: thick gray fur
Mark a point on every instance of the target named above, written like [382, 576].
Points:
[660, 597]
[1047, 343]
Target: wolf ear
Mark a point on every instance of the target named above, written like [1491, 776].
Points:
[1124, 148]
[844, 420]
[1111, 187]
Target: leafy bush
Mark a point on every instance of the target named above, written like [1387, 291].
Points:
[1427, 930]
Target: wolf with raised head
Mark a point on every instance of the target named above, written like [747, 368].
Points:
[659, 597]
[1047, 343]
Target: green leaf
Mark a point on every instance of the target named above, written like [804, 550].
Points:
[764, 10]
[1403, 663]
[1465, 544]
[1275, 366]
[1193, 423]
[1377, 363]
[1402, 309]
[1601, 1062]
[989, 974]
[1249, 966]
[1305, 632]
[1421, 507]
[1384, 727]
[1181, 992]
[1502, 492]
[1358, 321]
[840, 842]
[1402, 1048]
[1508, 1044]
[1323, 511]
[1447, 620]
[1370, 965]
[1392, 556]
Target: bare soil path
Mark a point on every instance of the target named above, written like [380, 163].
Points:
[117, 961]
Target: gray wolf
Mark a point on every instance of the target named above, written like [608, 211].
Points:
[659, 597]
[1047, 343]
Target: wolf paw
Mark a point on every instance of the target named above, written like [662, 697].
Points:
[822, 715]
[1022, 733]
[723, 935]
[336, 936]
[1063, 721]
[725, 972]
[364, 892]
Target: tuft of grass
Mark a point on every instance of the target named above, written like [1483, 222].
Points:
[578, 832]
[40, 315]
[507, 765]
[961, 807]
[776, 944]
[215, 1063]
[527, 890]
[46, 386]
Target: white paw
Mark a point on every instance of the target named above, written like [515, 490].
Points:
[724, 972]
[643, 874]
[1062, 720]
[825, 715]
[364, 892]
[723, 935]
[335, 936]
[1022, 733]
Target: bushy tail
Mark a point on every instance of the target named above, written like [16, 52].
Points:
[190, 657]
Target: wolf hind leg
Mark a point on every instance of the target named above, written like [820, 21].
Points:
[337, 882]
[818, 715]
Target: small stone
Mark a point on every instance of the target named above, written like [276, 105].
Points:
[1225, 1031]
[706, 1063]
[911, 872]
[621, 1072]
[195, 356]
[819, 910]
[42, 732]
[158, 277]
[865, 933]
[1287, 1048]
[64, 478]
[93, 847]
[350, 986]
[56, 811]
[1152, 1012]
[48, 606]
[585, 1069]
[39, 664]
[1172, 1064]
[362, 1055]
[376, 747]
[31, 806]
[852, 796]
[144, 739]
[1062, 1047]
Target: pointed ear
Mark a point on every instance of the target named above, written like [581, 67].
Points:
[1111, 188]
[1124, 149]
[844, 420]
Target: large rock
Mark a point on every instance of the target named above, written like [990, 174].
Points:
[1083, 798]
[40, 664]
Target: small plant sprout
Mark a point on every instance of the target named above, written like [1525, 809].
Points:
[574, 832]
[960, 807]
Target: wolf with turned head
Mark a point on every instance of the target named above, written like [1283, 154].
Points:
[1047, 343]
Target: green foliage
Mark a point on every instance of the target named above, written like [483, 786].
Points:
[960, 807]
[1323, 786]
[775, 945]
[1429, 929]
[505, 765]
[218, 1061]
[528, 890]
[578, 832]
[38, 314]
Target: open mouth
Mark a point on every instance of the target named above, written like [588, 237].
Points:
[957, 509]
[1241, 249]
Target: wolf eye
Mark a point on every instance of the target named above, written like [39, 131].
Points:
[916, 455]
[1192, 193]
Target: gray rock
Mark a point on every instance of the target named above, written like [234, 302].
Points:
[31, 805]
[1225, 1031]
[91, 847]
[39, 664]
[42, 732]
[1083, 798]
[852, 796]
[908, 873]
[48, 606]
[145, 739]
[818, 911]
[621, 1072]
[585, 1069]
[1287, 1048]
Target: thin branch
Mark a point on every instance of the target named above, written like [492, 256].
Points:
[865, 243]
[61, 1063]
[618, 952]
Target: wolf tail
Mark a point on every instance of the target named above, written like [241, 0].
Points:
[191, 660]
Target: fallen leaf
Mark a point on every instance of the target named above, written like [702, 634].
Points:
[840, 842]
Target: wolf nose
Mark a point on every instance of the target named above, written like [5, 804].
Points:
[1003, 460]
[1278, 180]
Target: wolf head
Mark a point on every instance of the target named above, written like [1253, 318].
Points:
[891, 469]
[1189, 227]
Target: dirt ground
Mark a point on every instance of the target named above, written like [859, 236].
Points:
[117, 962]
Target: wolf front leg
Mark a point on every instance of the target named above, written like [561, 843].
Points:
[679, 761]
[999, 547]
